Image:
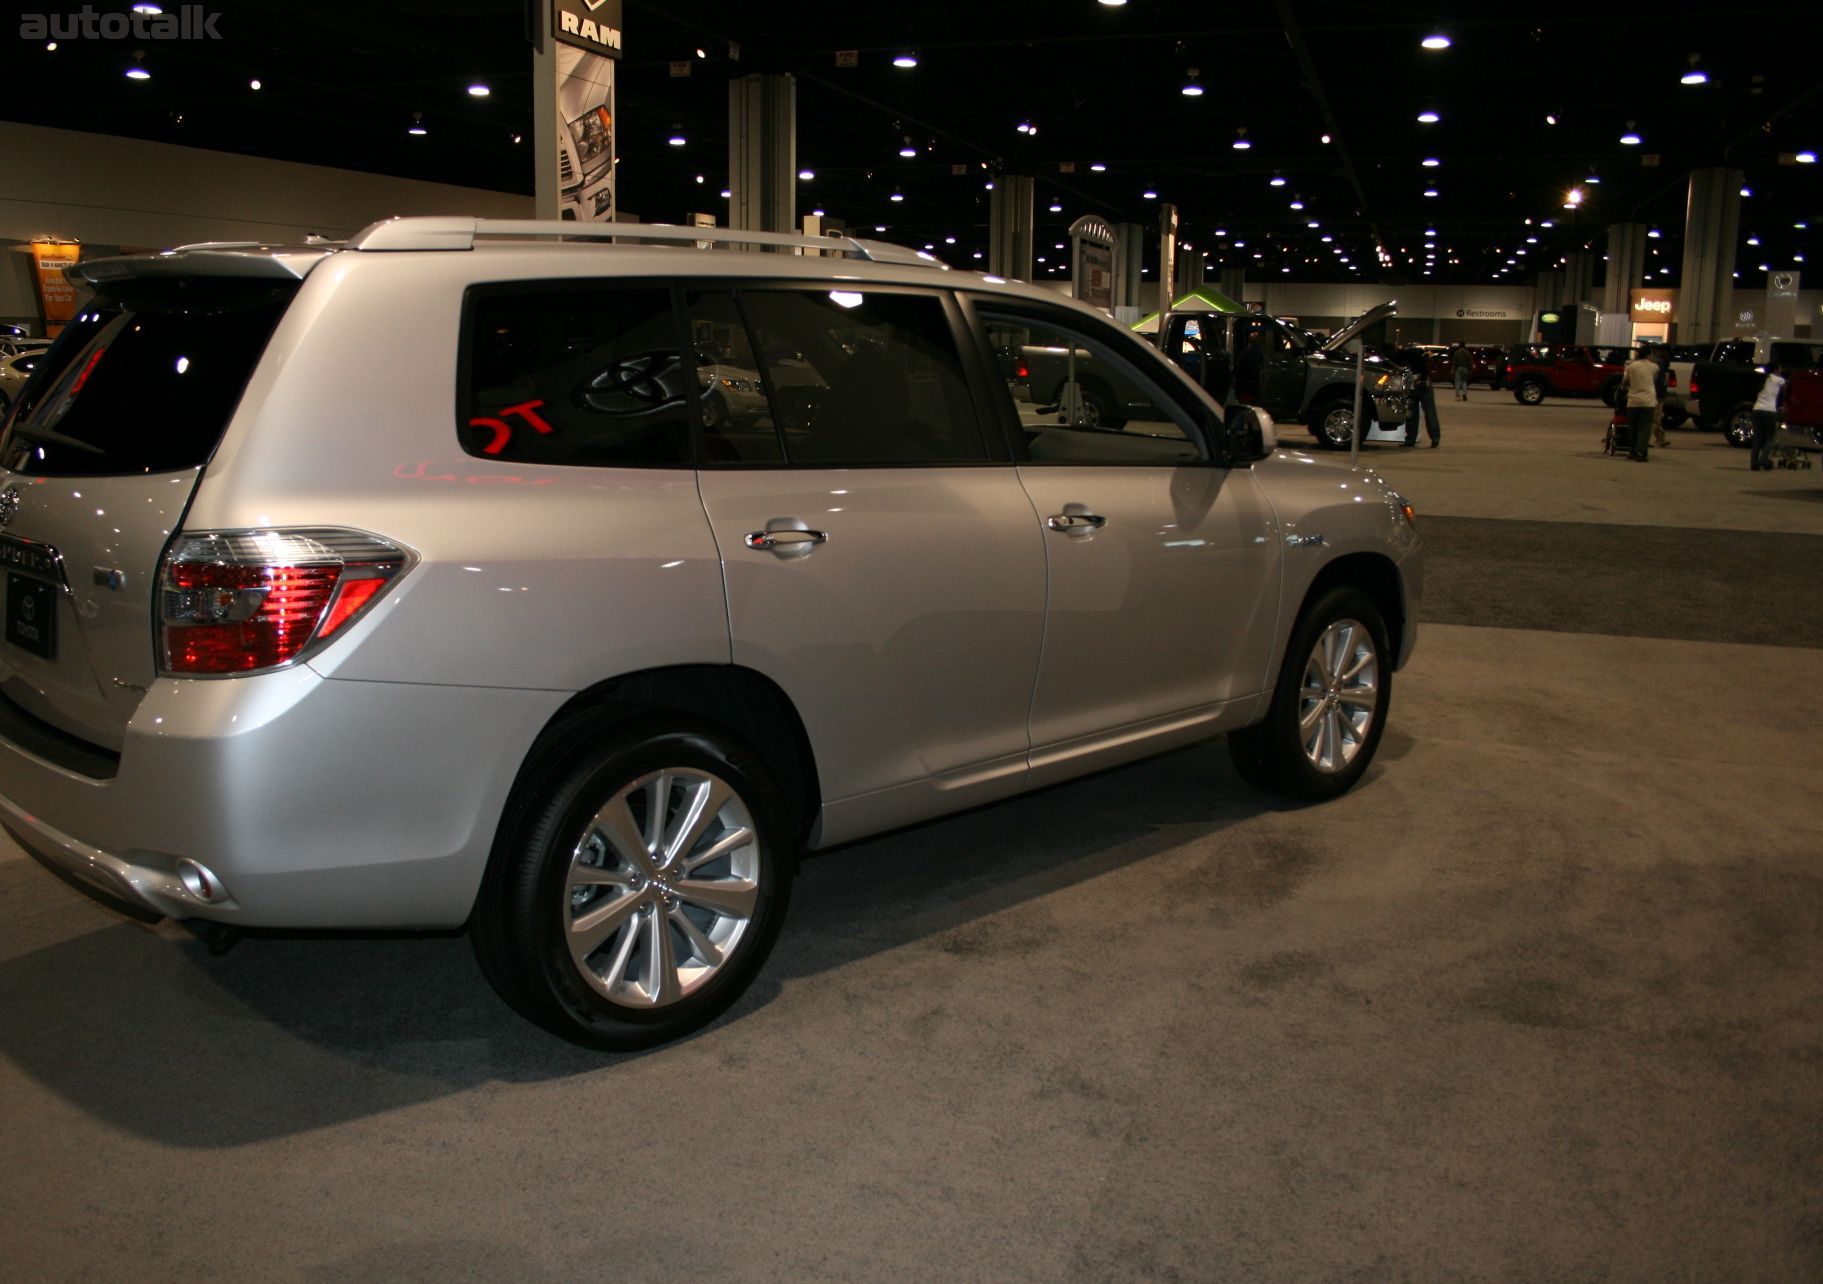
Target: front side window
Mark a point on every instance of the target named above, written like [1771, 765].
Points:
[821, 377]
[1077, 401]
[591, 376]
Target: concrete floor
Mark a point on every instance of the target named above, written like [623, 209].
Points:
[1540, 1000]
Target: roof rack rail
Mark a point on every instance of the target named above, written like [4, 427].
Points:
[420, 233]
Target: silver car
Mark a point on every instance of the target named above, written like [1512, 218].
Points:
[405, 583]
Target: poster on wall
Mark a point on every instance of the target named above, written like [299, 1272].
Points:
[588, 41]
[56, 296]
[1092, 271]
[1781, 303]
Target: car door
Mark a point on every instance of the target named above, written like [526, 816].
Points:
[1162, 567]
[883, 566]
[1282, 384]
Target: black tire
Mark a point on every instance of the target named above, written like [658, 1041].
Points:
[1529, 392]
[634, 985]
[1608, 390]
[1272, 754]
[1672, 413]
[1332, 422]
[1738, 426]
[715, 411]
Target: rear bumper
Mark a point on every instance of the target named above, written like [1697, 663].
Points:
[287, 800]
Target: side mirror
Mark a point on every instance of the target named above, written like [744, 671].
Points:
[1248, 435]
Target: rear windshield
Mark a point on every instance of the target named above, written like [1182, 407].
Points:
[144, 380]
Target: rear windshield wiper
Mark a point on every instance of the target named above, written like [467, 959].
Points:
[51, 435]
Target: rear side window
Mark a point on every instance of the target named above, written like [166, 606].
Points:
[554, 374]
[143, 384]
[832, 377]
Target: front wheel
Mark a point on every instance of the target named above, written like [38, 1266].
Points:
[1329, 706]
[1528, 392]
[632, 898]
[1333, 424]
[1738, 427]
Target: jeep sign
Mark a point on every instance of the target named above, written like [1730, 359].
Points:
[1654, 305]
[593, 25]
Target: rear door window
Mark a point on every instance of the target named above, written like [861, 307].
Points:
[145, 379]
[583, 374]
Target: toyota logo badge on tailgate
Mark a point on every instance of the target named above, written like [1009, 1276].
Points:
[9, 505]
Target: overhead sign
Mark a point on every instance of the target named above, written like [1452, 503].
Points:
[1781, 303]
[1092, 268]
[1653, 305]
[593, 25]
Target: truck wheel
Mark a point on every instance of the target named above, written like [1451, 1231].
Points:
[1529, 392]
[1097, 405]
[1608, 390]
[1330, 703]
[1738, 427]
[1332, 423]
[1674, 415]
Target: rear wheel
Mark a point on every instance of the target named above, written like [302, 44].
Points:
[1738, 427]
[635, 895]
[1330, 704]
[1529, 392]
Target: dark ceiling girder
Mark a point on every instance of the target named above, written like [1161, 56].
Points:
[1294, 36]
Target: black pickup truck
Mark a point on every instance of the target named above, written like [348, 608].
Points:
[1722, 391]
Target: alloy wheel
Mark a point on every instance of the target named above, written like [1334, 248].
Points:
[1339, 693]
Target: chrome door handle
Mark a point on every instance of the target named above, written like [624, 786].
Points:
[786, 540]
[1081, 523]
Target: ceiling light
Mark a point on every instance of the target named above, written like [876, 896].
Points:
[949, 240]
[1436, 41]
[137, 72]
[147, 8]
[254, 85]
[701, 52]
[1430, 162]
[1191, 89]
[1430, 191]
[1113, 4]
[896, 196]
[1806, 158]
[1550, 120]
[478, 90]
[1746, 191]
[1428, 118]
[1654, 234]
[1753, 240]
[1594, 179]
[700, 179]
[1099, 168]
[1629, 139]
[1297, 205]
[1149, 194]
[1326, 140]
[907, 150]
[1693, 77]
[1056, 208]
[817, 214]
[1275, 181]
[807, 174]
[906, 60]
[677, 140]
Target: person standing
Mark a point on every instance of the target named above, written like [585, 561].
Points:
[1766, 409]
[1423, 397]
[1461, 363]
[1638, 384]
[1661, 357]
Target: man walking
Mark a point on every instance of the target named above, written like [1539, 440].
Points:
[1766, 409]
[1461, 362]
[1639, 385]
[1423, 397]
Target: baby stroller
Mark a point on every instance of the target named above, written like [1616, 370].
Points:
[1619, 440]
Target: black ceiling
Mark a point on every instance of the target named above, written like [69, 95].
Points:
[341, 82]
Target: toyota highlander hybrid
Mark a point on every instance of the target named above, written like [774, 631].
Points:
[425, 580]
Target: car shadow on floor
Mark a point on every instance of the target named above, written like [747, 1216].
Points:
[290, 1032]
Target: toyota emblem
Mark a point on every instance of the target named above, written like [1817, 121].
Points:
[9, 505]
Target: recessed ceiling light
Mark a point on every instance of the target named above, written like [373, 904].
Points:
[807, 174]
[1436, 41]
[138, 73]
[1629, 139]
[1149, 194]
[1056, 208]
[1275, 181]
[478, 90]
[896, 196]
[677, 140]
[1430, 191]
[1428, 118]
[1693, 77]
[1099, 168]
[1806, 158]
[1191, 89]
[1430, 162]
[906, 60]
[254, 85]
[1746, 191]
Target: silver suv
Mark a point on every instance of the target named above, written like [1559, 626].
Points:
[420, 581]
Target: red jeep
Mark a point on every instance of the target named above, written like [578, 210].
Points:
[1539, 370]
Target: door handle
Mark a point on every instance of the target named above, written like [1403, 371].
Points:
[786, 541]
[1075, 523]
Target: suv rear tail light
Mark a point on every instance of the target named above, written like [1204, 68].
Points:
[243, 601]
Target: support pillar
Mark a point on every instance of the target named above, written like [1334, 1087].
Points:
[1234, 284]
[1578, 278]
[1010, 227]
[1167, 257]
[1626, 265]
[763, 153]
[1190, 272]
[1712, 221]
[1129, 258]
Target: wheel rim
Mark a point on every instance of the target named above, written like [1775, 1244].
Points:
[662, 887]
[1339, 425]
[1341, 690]
[1531, 394]
[1740, 429]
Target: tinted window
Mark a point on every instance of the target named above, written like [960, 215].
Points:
[564, 375]
[1796, 356]
[848, 376]
[143, 384]
[1078, 402]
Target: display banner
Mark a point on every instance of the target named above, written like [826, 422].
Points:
[1653, 306]
[1092, 263]
[1781, 304]
[585, 135]
[590, 25]
[56, 296]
